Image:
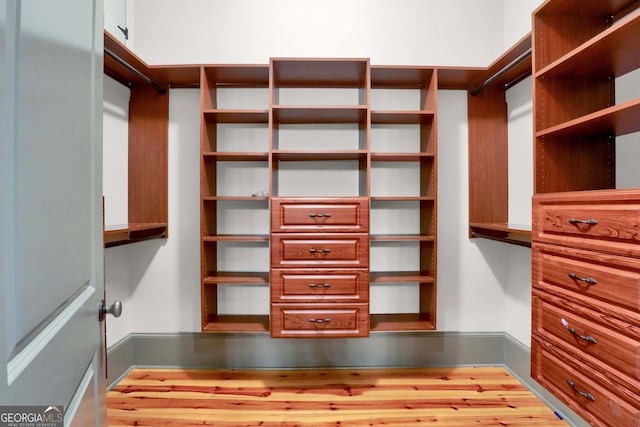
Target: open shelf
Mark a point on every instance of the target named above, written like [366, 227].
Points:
[236, 156]
[401, 117]
[236, 323]
[244, 278]
[401, 322]
[400, 276]
[236, 238]
[615, 120]
[401, 237]
[236, 116]
[518, 234]
[297, 114]
[600, 56]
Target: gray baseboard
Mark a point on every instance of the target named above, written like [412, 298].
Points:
[259, 351]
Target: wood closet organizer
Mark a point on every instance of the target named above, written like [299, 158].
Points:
[586, 233]
[329, 149]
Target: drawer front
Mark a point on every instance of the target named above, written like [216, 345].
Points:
[319, 320]
[591, 220]
[326, 215]
[338, 285]
[347, 250]
[608, 278]
[584, 337]
[597, 403]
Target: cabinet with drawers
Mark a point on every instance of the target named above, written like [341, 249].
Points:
[586, 302]
[320, 267]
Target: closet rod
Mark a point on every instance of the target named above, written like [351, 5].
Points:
[129, 67]
[502, 72]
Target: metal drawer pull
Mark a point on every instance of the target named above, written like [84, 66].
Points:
[313, 215]
[583, 221]
[327, 320]
[581, 393]
[312, 250]
[587, 338]
[589, 280]
[321, 285]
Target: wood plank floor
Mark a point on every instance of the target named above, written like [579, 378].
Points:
[319, 398]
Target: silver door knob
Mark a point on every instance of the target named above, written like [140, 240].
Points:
[114, 309]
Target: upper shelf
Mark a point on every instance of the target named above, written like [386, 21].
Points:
[589, 8]
[314, 114]
[294, 72]
[612, 53]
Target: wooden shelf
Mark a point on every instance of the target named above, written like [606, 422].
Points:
[236, 116]
[616, 120]
[580, 7]
[601, 56]
[236, 238]
[300, 72]
[400, 77]
[302, 114]
[236, 156]
[233, 278]
[517, 234]
[401, 157]
[234, 199]
[400, 276]
[401, 237]
[121, 234]
[236, 323]
[401, 117]
[401, 322]
[300, 155]
[403, 198]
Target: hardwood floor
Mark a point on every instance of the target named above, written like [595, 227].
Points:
[318, 398]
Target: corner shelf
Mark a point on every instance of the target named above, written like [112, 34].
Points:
[488, 146]
[148, 148]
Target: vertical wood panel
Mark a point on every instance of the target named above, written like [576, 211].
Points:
[148, 155]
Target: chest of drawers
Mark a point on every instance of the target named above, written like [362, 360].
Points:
[586, 302]
[320, 267]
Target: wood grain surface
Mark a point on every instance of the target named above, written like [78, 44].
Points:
[335, 397]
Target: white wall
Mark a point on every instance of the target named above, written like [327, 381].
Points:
[517, 19]
[160, 279]
[412, 32]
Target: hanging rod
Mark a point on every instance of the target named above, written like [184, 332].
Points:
[129, 67]
[502, 72]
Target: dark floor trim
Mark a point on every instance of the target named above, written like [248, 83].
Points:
[259, 351]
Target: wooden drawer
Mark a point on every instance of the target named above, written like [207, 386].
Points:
[345, 250]
[322, 214]
[598, 401]
[606, 220]
[292, 285]
[319, 320]
[566, 323]
[609, 278]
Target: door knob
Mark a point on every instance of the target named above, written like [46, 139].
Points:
[114, 309]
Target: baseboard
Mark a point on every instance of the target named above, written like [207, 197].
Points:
[258, 351]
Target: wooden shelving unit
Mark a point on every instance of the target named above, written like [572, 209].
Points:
[218, 112]
[420, 85]
[337, 96]
[584, 244]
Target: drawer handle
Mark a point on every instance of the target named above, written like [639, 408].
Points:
[583, 221]
[321, 285]
[587, 338]
[327, 320]
[313, 215]
[581, 393]
[589, 280]
[319, 251]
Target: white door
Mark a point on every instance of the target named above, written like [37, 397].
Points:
[51, 257]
